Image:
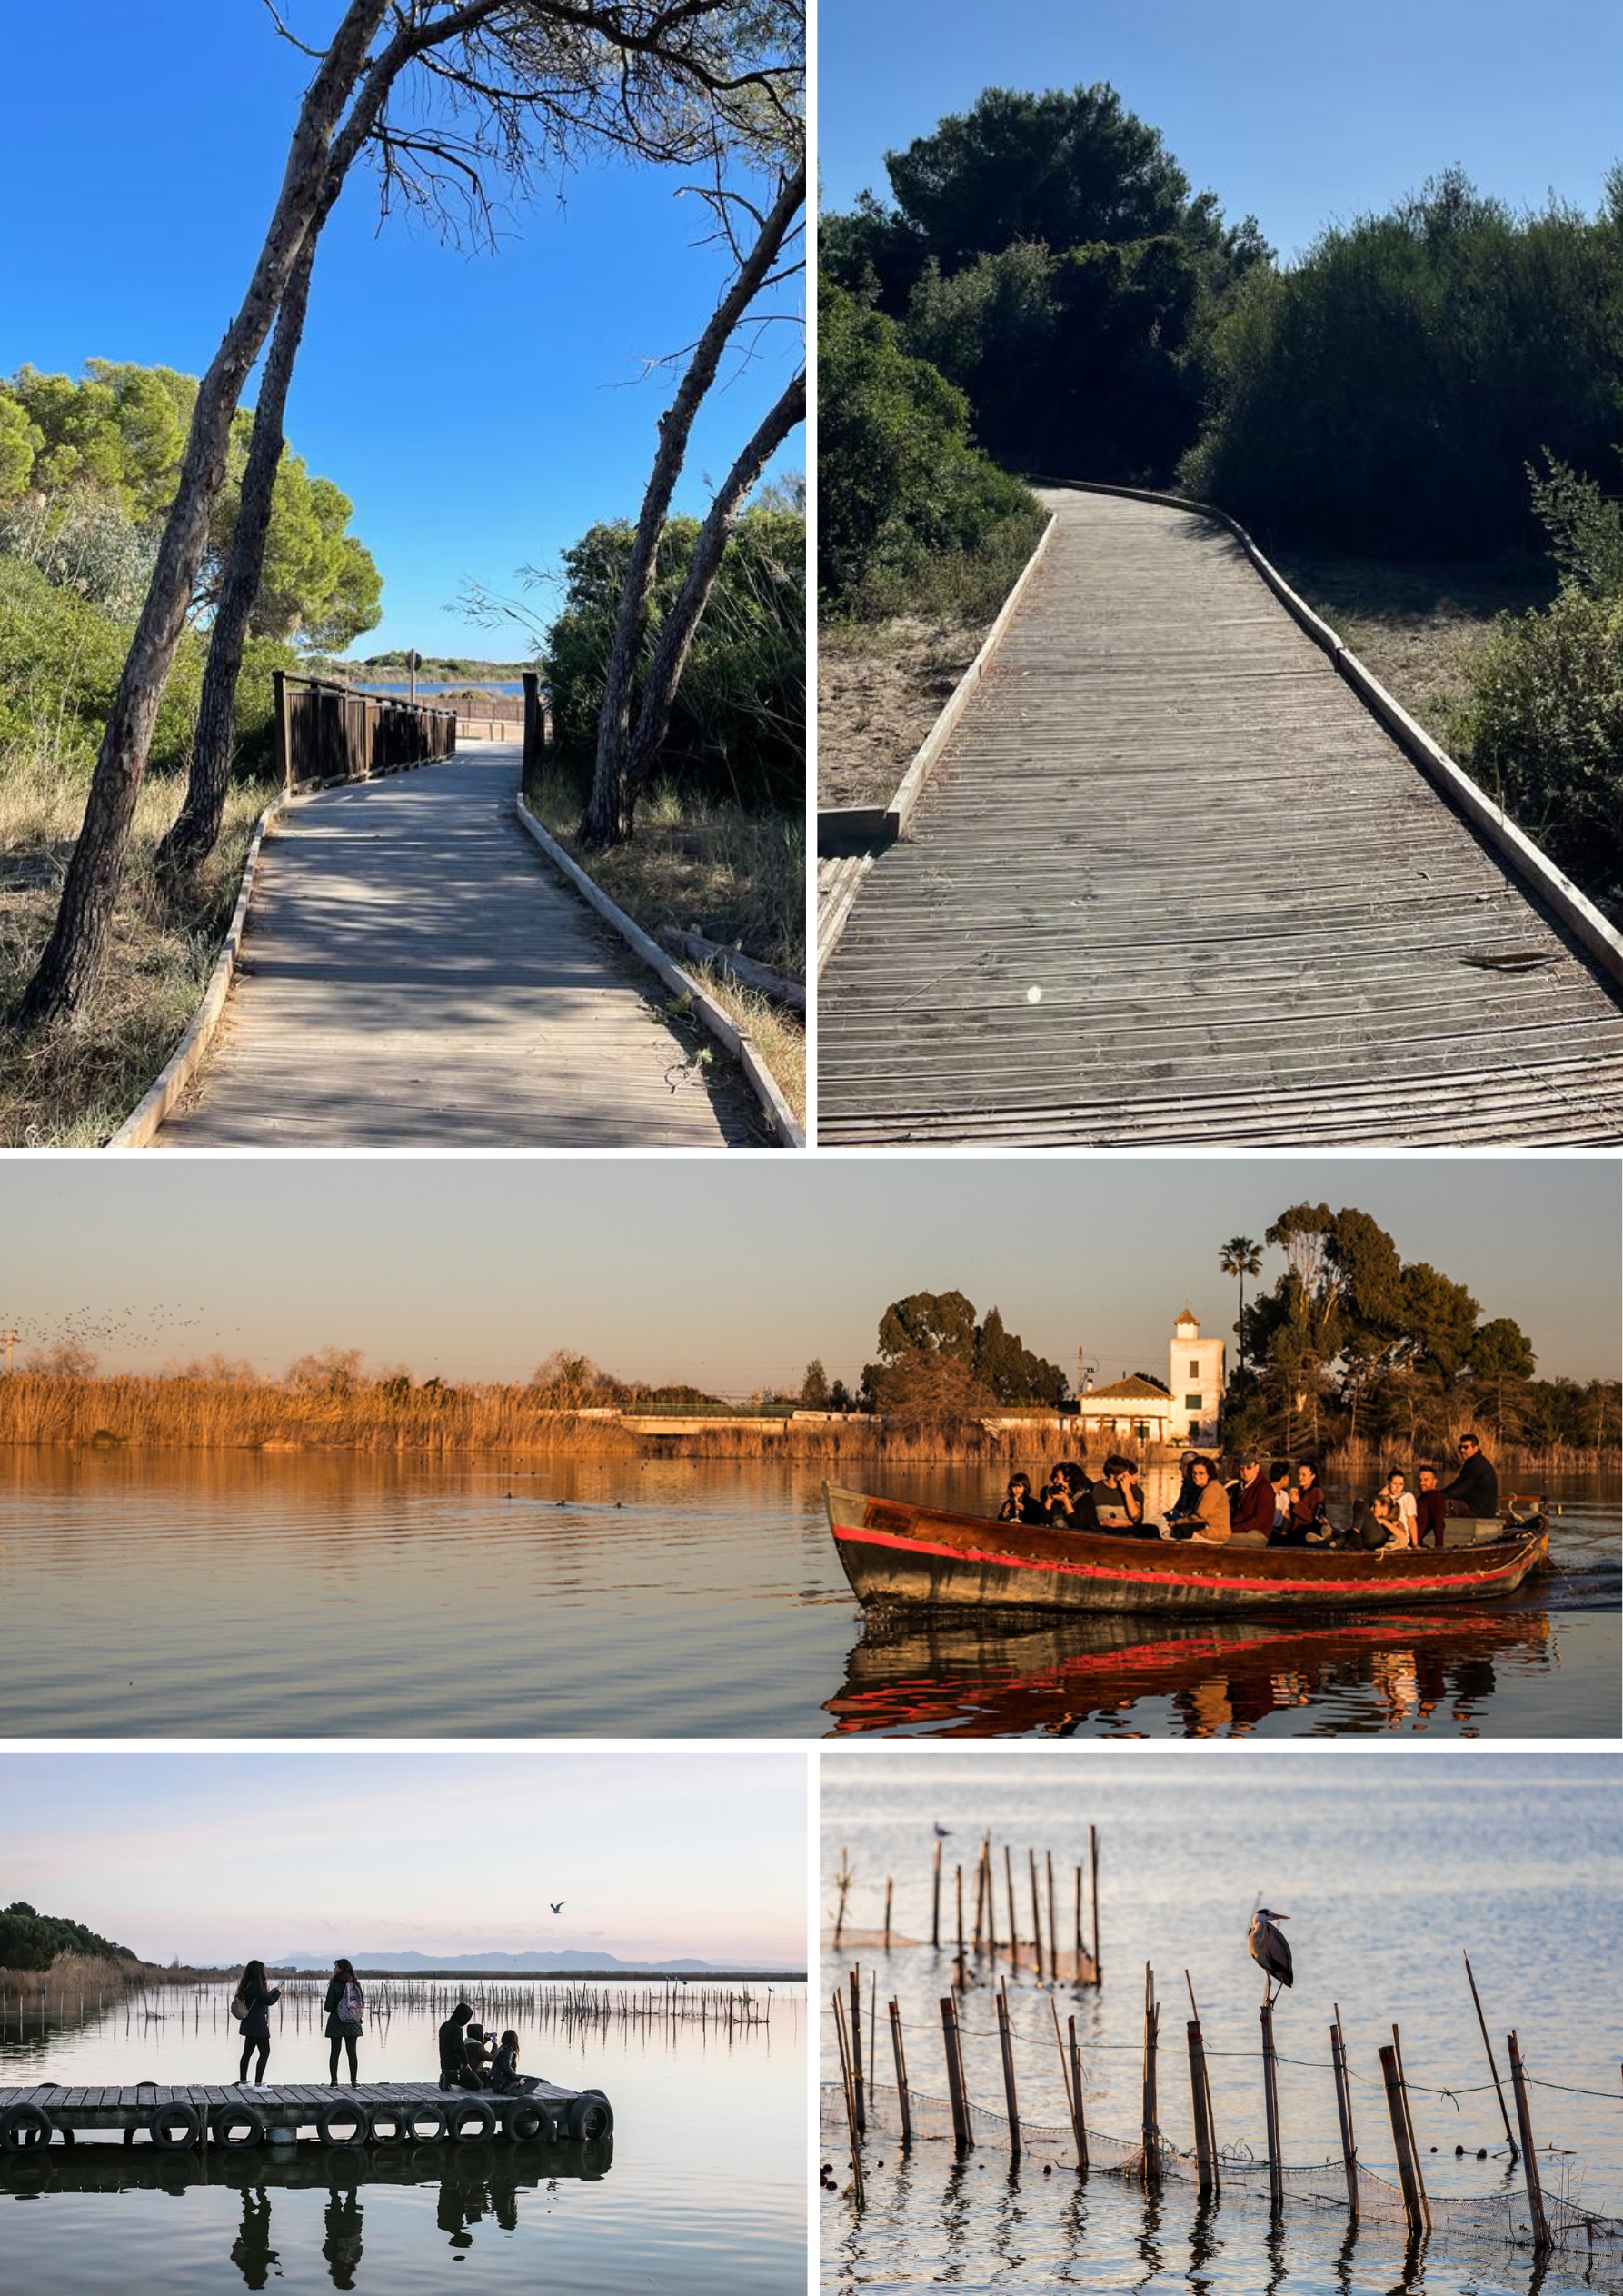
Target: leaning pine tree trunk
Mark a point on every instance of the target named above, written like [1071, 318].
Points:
[91, 888]
[680, 625]
[195, 829]
[605, 823]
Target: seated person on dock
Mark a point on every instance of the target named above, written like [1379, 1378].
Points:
[454, 2072]
[481, 2047]
[1251, 1502]
[1208, 1520]
[505, 2077]
[1118, 1502]
[1018, 1505]
[1475, 1490]
[1307, 1517]
[1431, 1509]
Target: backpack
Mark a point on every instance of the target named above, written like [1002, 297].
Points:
[351, 2007]
[239, 2007]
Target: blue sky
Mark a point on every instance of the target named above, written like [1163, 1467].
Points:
[660, 1853]
[735, 1275]
[481, 411]
[1296, 114]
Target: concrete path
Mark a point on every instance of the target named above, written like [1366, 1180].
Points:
[417, 976]
[1171, 881]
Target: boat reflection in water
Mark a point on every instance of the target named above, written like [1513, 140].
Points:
[974, 1675]
[477, 2185]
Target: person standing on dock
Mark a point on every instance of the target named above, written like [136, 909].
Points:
[255, 1998]
[346, 2009]
[1475, 1490]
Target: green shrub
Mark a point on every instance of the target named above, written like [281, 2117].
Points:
[1543, 731]
[32, 1941]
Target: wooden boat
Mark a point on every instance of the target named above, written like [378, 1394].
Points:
[895, 1552]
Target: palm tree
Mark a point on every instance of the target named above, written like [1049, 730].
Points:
[1242, 1256]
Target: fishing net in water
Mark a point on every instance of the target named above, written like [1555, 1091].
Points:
[1497, 2220]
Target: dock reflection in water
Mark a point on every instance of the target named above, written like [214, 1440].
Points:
[1203, 1679]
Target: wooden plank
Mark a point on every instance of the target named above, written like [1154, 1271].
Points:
[1167, 815]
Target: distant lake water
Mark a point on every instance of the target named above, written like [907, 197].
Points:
[1390, 1868]
[701, 2189]
[448, 686]
[294, 1593]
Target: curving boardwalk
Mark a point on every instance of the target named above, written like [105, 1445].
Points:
[415, 975]
[1173, 883]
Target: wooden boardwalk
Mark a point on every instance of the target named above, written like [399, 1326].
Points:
[415, 975]
[281, 2105]
[1173, 882]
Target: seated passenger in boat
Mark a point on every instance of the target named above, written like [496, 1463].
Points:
[1279, 1476]
[1307, 1518]
[1065, 1496]
[1018, 1505]
[1118, 1502]
[1185, 1501]
[1395, 1506]
[1208, 1521]
[1251, 1501]
[1475, 1490]
[1431, 1509]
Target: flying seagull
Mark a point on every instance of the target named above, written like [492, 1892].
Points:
[563, 1901]
[1269, 1950]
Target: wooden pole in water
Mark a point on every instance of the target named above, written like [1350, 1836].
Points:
[1151, 2119]
[992, 1897]
[1529, 2156]
[1202, 2105]
[856, 2048]
[979, 1898]
[960, 2132]
[1078, 1922]
[1053, 1927]
[1093, 1897]
[851, 2107]
[958, 1978]
[1036, 1914]
[900, 2054]
[1007, 2046]
[1078, 2120]
[1408, 2123]
[935, 1901]
[1270, 2100]
[842, 1883]
[1009, 1886]
[1488, 2045]
[1350, 2159]
[887, 1913]
[1407, 2173]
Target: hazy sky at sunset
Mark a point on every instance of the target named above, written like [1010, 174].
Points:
[734, 1273]
[657, 1854]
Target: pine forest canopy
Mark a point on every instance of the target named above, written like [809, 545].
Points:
[32, 1941]
[88, 470]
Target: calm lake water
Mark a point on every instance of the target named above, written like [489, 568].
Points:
[206, 1593]
[1389, 1867]
[701, 2189]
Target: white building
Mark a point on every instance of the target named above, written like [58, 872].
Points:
[1197, 1381]
[1186, 1412]
[1132, 1407]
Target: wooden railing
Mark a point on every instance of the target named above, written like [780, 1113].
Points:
[327, 732]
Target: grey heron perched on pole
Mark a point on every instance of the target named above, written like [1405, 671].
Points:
[1269, 1950]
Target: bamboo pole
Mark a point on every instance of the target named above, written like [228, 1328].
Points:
[1350, 2158]
[1270, 2100]
[887, 1913]
[959, 1975]
[900, 2054]
[1150, 2117]
[856, 2049]
[979, 1898]
[1036, 1914]
[960, 2120]
[1078, 1922]
[1093, 1899]
[1053, 1927]
[1079, 2121]
[935, 1901]
[1407, 2171]
[1488, 2045]
[1009, 1887]
[1409, 2122]
[1201, 2100]
[992, 1898]
[1524, 2119]
[850, 2108]
[1007, 2046]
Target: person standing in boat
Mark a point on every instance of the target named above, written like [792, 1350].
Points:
[346, 2007]
[255, 1999]
[1251, 1502]
[1431, 1510]
[1208, 1519]
[1475, 1490]
[1018, 1505]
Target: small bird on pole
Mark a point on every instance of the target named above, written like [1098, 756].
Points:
[1269, 1950]
[941, 1832]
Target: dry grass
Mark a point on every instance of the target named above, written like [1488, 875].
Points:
[72, 1084]
[204, 1413]
[1416, 627]
[738, 878]
[880, 686]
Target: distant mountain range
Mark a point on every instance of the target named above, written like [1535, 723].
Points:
[404, 1963]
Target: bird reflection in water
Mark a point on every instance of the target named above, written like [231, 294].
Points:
[986, 1678]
